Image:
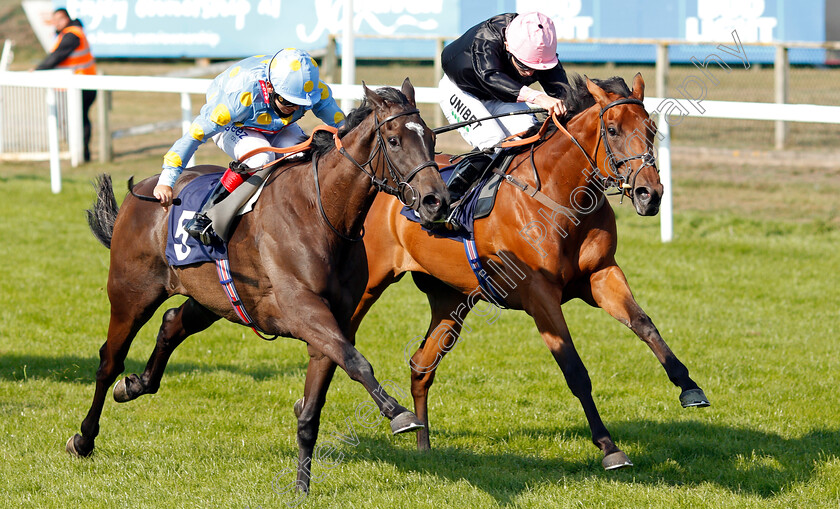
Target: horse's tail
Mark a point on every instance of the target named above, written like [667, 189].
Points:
[102, 215]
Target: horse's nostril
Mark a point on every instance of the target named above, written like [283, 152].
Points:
[643, 193]
[431, 202]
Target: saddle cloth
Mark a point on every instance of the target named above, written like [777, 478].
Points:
[181, 249]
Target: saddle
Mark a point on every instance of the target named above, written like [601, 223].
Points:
[486, 174]
[475, 180]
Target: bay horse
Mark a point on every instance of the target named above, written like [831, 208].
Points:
[307, 293]
[538, 258]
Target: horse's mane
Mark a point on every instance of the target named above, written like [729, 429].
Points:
[323, 141]
[579, 99]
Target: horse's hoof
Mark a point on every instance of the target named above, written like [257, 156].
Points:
[616, 460]
[404, 422]
[694, 397]
[298, 407]
[121, 392]
[71, 447]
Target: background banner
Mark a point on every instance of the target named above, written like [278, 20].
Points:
[238, 28]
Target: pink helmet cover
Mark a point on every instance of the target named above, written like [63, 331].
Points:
[532, 40]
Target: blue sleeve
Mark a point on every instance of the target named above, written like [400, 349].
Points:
[327, 109]
[215, 115]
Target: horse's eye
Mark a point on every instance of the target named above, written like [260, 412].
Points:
[612, 131]
[393, 141]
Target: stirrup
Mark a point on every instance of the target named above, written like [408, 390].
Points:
[200, 227]
[450, 223]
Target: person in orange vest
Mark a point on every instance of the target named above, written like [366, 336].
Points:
[72, 51]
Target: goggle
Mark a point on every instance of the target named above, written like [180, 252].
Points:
[520, 64]
[284, 102]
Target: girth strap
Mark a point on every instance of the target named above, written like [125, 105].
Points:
[487, 289]
[226, 280]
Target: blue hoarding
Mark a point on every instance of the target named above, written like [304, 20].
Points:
[236, 28]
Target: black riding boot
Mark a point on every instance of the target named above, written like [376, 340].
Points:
[467, 172]
[200, 227]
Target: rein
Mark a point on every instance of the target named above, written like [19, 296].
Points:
[303, 146]
[403, 183]
[452, 127]
[623, 182]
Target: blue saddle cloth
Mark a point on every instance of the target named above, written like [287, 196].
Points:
[465, 214]
[181, 249]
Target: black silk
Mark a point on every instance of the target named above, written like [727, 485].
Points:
[478, 63]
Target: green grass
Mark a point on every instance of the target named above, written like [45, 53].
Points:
[747, 299]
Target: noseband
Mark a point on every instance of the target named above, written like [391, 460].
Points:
[625, 182]
[402, 183]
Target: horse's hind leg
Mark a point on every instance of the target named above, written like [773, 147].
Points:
[128, 314]
[611, 292]
[443, 333]
[178, 323]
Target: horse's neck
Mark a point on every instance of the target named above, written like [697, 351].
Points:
[346, 191]
[568, 161]
[585, 127]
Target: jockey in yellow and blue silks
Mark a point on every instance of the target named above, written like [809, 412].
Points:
[254, 103]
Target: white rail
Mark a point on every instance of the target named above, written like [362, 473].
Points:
[656, 105]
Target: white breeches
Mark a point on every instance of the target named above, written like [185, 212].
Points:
[459, 106]
[236, 142]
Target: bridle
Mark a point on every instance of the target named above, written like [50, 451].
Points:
[403, 184]
[624, 182]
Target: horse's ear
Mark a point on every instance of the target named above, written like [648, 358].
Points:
[638, 87]
[373, 97]
[408, 91]
[597, 92]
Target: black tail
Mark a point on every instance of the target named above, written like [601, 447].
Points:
[102, 215]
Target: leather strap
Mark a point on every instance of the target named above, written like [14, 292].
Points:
[288, 151]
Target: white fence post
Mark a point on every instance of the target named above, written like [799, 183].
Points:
[52, 133]
[348, 54]
[186, 119]
[105, 147]
[666, 211]
[439, 45]
[781, 67]
[663, 66]
[75, 127]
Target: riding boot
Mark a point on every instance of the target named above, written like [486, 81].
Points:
[465, 174]
[200, 227]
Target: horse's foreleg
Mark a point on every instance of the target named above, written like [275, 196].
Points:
[320, 330]
[555, 333]
[610, 291]
[441, 337]
[126, 319]
[319, 374]
[178, 323]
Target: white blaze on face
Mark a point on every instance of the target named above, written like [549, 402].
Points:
[417, 128]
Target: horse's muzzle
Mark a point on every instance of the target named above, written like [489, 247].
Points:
[646, 200]
[433, 206]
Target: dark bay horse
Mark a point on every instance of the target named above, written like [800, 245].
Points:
[538, 258]
[309, 294]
